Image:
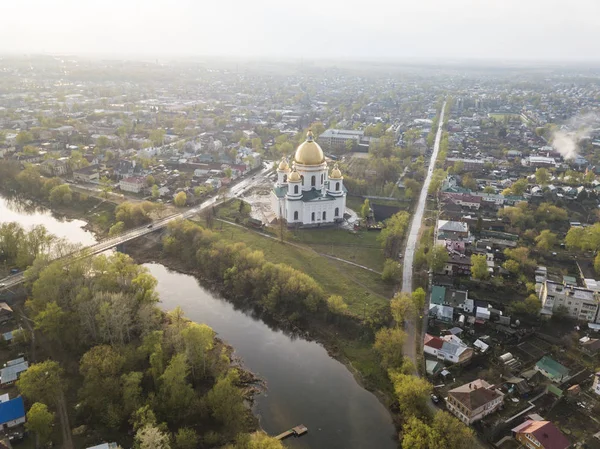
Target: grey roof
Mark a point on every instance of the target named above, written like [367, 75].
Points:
[452, 226]
[11, 372]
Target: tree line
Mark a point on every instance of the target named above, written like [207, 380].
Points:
[116, 363]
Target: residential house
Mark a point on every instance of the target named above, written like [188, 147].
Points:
[12, 413]
[552, 369]
[596, 384]
[581, 303]
[450, 348]
[454, 230]
[6, 313]
[134, 184]
[465, 200]
[87, 174]
[473, 401]
[54, 167]
[457, 264]
[590, 346]
[534, 434]
[11, 372]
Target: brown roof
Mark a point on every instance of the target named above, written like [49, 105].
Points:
[475, 394]
[546, 433]
[433, 342]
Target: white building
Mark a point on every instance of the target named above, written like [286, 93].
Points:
[596, 385]
[581, 303]
[307, 194]
[134, 184]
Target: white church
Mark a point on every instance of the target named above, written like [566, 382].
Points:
[306, 194]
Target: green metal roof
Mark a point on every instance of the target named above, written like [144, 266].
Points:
[438, 294]
[555, 390]
[552, 367]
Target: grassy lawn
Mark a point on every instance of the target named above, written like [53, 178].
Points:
[355, 285]
[367, 362]
[361, 247]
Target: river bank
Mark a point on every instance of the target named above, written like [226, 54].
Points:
[331, 336]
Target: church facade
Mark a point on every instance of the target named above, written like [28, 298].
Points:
[306, 194]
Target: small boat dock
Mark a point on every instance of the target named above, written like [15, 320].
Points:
[296, 431]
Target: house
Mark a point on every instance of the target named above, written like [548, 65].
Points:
[454, 230]
[87, 174]
[105, 446]
[134, 184]
[552, 369]
[590, 346]
[473, 401]
[12, 413]
[540, 435]
[450, 348]
[457, 264]
[11, 372]
[6, 313]
[54, 167]
[596, 384]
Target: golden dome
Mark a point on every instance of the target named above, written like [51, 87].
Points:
[283, 165]
[294, 177]
[309, 152]
[335, 173]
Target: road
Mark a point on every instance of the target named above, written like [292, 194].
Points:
[411, 242]
[234, 191]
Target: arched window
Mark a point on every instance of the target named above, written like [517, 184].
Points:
[312, 216]
[324, 215]
[337, 211]
[295, 190]
[313, 181]
[296, 213]
[337, 186]
[284, 178]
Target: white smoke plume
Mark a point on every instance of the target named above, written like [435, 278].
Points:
[566, 140]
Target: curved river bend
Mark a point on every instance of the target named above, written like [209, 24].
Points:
[304, 384]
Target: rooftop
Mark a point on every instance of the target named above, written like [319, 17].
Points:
[545, 432]
[475, 394]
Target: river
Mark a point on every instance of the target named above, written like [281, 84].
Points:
[304, 384]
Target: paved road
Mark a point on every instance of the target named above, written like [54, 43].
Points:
[131, 234]
[411, 242]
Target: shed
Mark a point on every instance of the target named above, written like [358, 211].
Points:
[552, 369]
[433, 367]
[438, 294]
[10, 373]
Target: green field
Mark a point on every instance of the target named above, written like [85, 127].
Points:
[363, 291]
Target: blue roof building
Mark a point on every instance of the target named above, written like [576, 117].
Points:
[12, 412]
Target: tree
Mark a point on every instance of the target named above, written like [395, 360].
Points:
[157, 136]
[336, 304]
[546, 240]
[597, 263]
[479, 268]
[150, 181]
[44, 382]
[469, 183]
[575, 238]
[530, 306]
[186, 438]
[392, 235]
[418, 297]
[256, 440]
[175, 391]
[39, 421]
[198, 340]
[151, 437]
[412, 392]
[438, 258]
[519, 186]
[226, 402]
[512, 266]
[445, 431]
[102, 142]
[542, 176]
[61, 194]
[105, 186]
[23, 138]
[388, 344]
[116, 229]
[180, 199]
[391, 271]
[155, 192]
[365, 210]
[402, 307]
[50, 322]
[489, 189]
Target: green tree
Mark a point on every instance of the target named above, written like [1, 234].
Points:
[51, 322]
[391, 271]
[575, 238]
[186, 438]
[388, 344]
[402, 307]
[365, 210]
[198, 341]
[157, 136]
[23, 138]
[116, 229]
[489, 189]
[150, 181]
[39, 421]
[106, 187]
[479, 268]
[61, 195]
[44, 382]
[392, 235]
[155, 192]
[542, 176]
[418, 297]
[131, 392]
[180, 199]
[176, 393]
[438, 258]
[336, 304]
[512, 266]
[546, 240]
[412, 392]
[519, 187]
[151, 437]
[102, 142]
[226, 402]
[469, 183]
[597, 263]
[530, 306]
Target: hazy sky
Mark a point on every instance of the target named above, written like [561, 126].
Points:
[390, 29]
